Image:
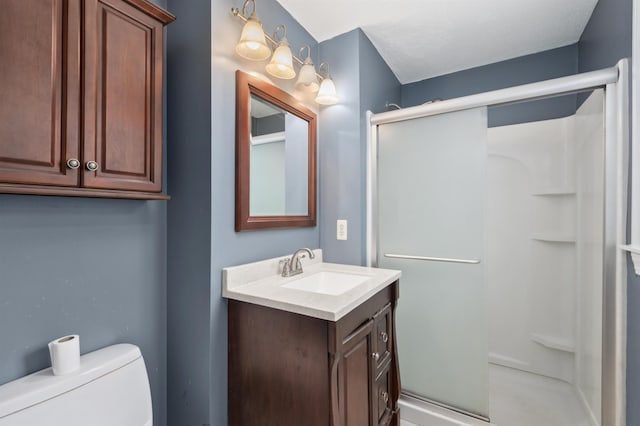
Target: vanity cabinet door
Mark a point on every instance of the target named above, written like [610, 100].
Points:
[39, 87]
[123, 97]
[356, 370]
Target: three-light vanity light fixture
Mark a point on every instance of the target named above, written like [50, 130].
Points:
[254, 45]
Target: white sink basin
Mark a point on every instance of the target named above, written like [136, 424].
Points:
[327, 282]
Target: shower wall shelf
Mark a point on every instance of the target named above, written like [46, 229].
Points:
[554, 342]
[553, 238]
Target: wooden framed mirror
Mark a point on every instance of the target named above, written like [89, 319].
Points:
[275, 158]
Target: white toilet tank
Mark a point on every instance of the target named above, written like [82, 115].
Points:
[111, 388]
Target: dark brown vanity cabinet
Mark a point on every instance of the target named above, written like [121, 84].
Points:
[287, 369]
[81, 108]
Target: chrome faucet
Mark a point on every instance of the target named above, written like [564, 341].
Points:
[292, 266]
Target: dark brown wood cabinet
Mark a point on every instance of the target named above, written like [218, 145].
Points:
[287, 369]
[81, 111]
[40, 86]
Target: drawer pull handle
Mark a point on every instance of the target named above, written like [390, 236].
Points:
[384, 336]
[375, 356]
[73, 164]
[385, 396]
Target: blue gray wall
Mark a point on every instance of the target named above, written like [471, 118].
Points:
[378, 86]
[607, 39]
[364, 82]
[94, 267]
[202, 240]
[87, 266]
[189, 212]
[513, 72]
[340, 153]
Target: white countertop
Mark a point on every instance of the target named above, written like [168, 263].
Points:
[261, 283]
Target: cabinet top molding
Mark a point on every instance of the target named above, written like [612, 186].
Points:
[153, 10]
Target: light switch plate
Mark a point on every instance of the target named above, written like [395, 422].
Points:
[341, 229]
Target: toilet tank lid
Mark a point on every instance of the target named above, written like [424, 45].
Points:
[42, 385]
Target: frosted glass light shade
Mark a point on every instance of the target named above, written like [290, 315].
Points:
[281, 65]
[308, 80]
[252, 44]
[327, 94]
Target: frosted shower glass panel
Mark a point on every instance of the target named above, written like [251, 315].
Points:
[431, 192]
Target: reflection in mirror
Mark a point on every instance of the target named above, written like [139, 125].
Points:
[275, 157]
[279, 166]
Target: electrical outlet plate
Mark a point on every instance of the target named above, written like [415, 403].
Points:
[341, 229]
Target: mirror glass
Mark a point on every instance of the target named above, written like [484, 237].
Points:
[279, 161]
[275, 157]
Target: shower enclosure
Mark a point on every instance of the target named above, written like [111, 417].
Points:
[508, 239]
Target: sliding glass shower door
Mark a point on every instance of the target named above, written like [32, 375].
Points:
[430, 224]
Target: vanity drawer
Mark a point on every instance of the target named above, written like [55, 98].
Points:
[382, 341]
[382, 396]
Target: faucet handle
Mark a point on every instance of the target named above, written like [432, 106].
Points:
[284, 266]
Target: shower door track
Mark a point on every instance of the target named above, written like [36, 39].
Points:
[448, 407]
[527, 92]
[615, 82]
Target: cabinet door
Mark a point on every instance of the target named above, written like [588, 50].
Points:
[123, 97]
[356, 372]
[39, 107]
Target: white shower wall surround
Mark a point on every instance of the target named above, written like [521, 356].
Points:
[544, 248]
[531, 247]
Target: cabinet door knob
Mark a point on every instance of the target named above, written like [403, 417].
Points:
[73, 164]
[92, 166]
[375, 356]
[384, 336]
[385, 396]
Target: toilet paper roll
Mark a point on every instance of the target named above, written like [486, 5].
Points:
[65, 354]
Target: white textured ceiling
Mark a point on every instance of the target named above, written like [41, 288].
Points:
[425, 38]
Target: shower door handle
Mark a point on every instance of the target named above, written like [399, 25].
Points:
[432, 259]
